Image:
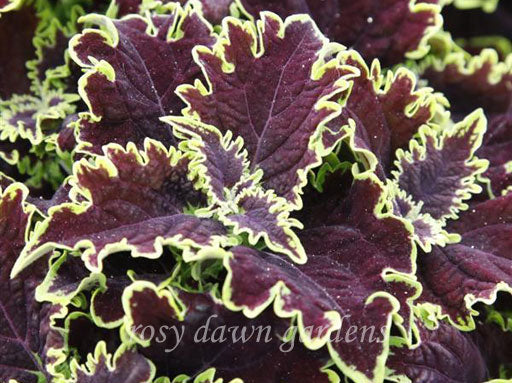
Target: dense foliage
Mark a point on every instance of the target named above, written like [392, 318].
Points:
[334, 175]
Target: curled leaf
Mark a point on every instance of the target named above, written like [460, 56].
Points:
[130, 200]
[279, 113]
[133, 66]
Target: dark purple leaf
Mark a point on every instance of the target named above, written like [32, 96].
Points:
[260, 359]
[480, 81]
[66, 140]
[439, 170]
[220, 162]
[121, 270]
[389, 30]
[272, 88]
[215, 10]
[224, 173]
[60, 196]
[130, 200]
[427, 230]
[50, 66]
[66, 278]
[445, 355]
[470, 83]
[84, 335]
[497, 149]
[263, 215]
[136, 65]
[457, 276]
[20, 315]
[31, 118]
[16, 48]
[495, 346]
[125, 366]
[352, 248]
[125, 7]
[386, 112]
[444, 352]
[212, 10]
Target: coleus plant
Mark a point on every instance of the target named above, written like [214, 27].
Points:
[255, 191]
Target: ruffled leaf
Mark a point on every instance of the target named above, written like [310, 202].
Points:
[133, 67]
[208, 376]
[386, 112]
[480, 81]
[83, 336]
[224, 174]
[427, 230]
[30, 118]
[469, 83]
[474, 269]
[439, 171]
[255, 344]
[51, 66]
[125, 366]
[28, 127]
[105, 303]
[52, 355]
[60, 196]
[66, 278]
[443, 353]
[353, 250]
[389, 30]
[278, 113]
[120, 8]
[122, 270]
[220, 162]
[130, 200]
[36, 166]
[212, 10]
[264, 215]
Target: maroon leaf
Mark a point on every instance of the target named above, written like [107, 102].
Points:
[442, 357]
[352, 249]
[220, 162]
[386, 112]
[474, 269]
[497, 149]
[212, 10]
[130, 200]
[224, 174]
[133, 67]
[20, 315]
[278, 113]
[255, 354]
[467, 82]
[16, 48]
[480, 81]
[439, 170]
[388, 30]
[125, 366]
